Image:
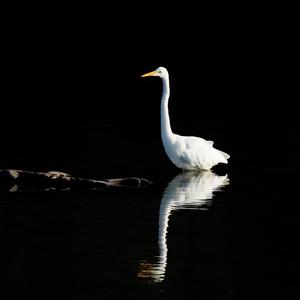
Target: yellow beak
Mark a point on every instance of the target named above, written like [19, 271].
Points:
[154, 73]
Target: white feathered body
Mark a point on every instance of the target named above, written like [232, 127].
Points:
[192, 153]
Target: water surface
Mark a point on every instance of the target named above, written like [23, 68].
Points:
[207, 234]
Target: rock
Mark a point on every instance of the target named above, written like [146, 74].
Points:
[8, 175]
[21, 180]
[56, 174]
[129, 182]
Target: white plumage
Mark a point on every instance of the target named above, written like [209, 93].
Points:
[186, 152]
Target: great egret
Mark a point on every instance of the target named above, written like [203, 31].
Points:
[186, 152]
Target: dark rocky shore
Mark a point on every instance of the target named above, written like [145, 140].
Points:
[26, 181]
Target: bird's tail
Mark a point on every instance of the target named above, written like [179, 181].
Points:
[226, 156]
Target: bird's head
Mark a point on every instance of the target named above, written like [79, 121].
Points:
[159, 72]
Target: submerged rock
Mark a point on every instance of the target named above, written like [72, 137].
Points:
[21, 180]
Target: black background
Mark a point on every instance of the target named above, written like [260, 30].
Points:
[234, 75]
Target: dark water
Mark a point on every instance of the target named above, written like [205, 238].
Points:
[188, 235]
[156, 242]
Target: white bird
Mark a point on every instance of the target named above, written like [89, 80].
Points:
[186, 152]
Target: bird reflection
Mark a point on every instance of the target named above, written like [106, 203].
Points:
[188, 190]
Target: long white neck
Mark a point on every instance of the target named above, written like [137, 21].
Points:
[166, 131]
